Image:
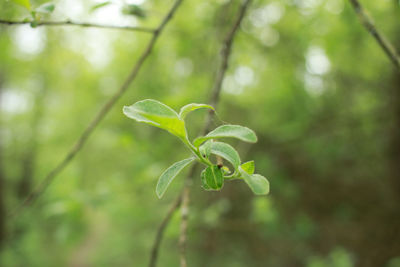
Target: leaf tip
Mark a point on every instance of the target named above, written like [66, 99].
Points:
[159, 191]
[253, 136]
[125, 110]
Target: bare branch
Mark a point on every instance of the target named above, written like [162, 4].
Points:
[80, 24]
[161, 229]
[184, 219]
[100, 115]
[215, 93]
[367, 22]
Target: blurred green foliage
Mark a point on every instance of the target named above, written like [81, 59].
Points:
[304, 74]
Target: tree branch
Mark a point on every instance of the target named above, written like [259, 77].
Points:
[369, 25]
[214, 99]
[80, 24]
[184, 218]
[161, 229]
[99, 117]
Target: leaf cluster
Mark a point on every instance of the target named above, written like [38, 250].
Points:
[214, 175]
[36, 13]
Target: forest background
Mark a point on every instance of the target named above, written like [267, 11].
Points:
[319, 91]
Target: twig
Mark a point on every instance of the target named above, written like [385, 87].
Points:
[165, 222]
[160, 231]
[99, 117]
[80, 24]
[215, 93]
[225, 53]
[367, 22]
[185, 214]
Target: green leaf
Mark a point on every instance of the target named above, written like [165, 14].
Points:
[226, 151]
[134, 10]
[169, 174]
[24, 3]
[257, 183]
[205, 149]
[248, 167]
[234, 131]
[46, 8]
[191, 107]
[99, 5]
[33, 24]
[212, 178]
[204, 181]
[157, 114]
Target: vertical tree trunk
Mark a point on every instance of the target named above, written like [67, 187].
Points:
[393, 219]
[2, 210]
[386, 225]
[29, 156]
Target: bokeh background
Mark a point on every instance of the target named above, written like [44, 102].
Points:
[320, 93]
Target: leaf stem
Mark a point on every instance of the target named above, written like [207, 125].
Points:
[196, 152]
[233, 176]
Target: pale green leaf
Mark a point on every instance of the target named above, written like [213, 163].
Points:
[99, 5]
[168, 175]
[234, 131]
[134, 10]
[212, 178]
[24, 3]
[34, 23]
[257, 183]
[204, 181]
[226, 151]
[248, 167]
[191, 107]
[205, 149]
[46, 8]
[157, 114]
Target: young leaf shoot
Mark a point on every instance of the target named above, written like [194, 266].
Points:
[212, 177]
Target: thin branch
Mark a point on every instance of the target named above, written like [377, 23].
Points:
[215, 95]
[184, 219]
[79, 24]
[100, 115]
[368, 23]
[161, 229]
[225, 53]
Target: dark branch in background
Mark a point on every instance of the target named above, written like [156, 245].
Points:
[2, 183]
[165, 222]
[185, 216]
[80, 24]
[28, 161]
[225, 53]
[366, 20]
[99, 117]
[160, 231]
